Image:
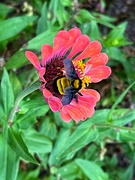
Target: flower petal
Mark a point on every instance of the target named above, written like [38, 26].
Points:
[97, 60]
[91, 92]
[89, 109]
[60, 40]
[33, 59]
[41, 73]
[99, 73]
[92, 49]
[74, 112]
[64, 115]
[79, 45]
[87, 103]
[89, 100]
[54, 103]
[46, 53]
[46, 93]
[74, 33]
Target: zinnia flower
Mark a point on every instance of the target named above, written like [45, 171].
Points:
[89, 65]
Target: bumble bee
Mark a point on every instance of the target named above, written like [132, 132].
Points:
[68, 85]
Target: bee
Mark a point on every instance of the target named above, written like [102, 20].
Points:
[68, 85]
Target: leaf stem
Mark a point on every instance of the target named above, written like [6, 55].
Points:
[22, 95]
[115, 127]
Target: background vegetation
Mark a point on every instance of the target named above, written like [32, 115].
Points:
[39, 145]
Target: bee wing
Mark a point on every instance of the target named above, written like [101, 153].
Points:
[70, 70]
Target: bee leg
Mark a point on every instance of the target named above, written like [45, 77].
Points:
[80, 94]
[76, 98]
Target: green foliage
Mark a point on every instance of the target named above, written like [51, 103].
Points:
[116, 36]
[16, 141]
[91, 169]
[16, 25]
[7, 96]
[35, 143]
[9, 161]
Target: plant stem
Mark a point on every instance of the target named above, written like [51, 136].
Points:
[115, 127]
[22, 95]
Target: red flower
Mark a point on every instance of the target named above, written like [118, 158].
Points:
[73, 48]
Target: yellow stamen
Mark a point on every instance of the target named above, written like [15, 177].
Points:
[81, 66]
[85, 81]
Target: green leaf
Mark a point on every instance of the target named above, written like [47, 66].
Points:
[29, 175]
[66, 2]
[120, 116]
[116, 53]
[42, 22]
[72, 141]
[125, 136]
[9, 159]
[59, 122]
[13, 26]
[91, 170]
[48, 128]
[62, 16]
[17, 143]
[83, 16]
[17, 60]
[37, 142]
[120, 98]
[54, 7]
[4, 10]
[16, 84]
[30, 111]
[6, 93]
[3, 116]
[43, 38]
[116, 37]
[70, 171]
[34, 103]
[91, 28]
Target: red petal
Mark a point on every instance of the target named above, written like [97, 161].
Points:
[65, 116]
[92, 49]
[75, 30]
[91, 92]
[74, 112]
[46, 53]
[54, 103]
[79, 45]
[74, 33]
[98, 60]
[89, 100]
[41, 73]
[89, 109]
[60, 40]
[46, 93]
[87, 103]
[33, 59]
[99, 73]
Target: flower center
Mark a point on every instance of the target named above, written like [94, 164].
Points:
[53, 70]
[57, 81]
